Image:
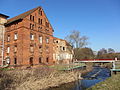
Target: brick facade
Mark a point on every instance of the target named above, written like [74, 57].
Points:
[23, 45]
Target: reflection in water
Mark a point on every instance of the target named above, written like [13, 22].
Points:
[97, 75]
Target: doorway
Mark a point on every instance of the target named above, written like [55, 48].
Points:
[31, 61]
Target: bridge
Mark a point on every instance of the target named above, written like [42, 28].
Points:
[115, 63]
[96, 60]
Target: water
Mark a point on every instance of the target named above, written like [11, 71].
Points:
[89, 80]
[98, 74]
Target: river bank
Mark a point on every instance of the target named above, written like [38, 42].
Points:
[98, 74]
[38, 78]
[112, 83]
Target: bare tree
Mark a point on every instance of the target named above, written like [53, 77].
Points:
[110, 50]
[77, 41]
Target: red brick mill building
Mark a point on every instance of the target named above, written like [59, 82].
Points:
[29, 39]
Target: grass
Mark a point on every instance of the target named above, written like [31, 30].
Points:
[112, 83]
[34, 79]
[6, 69]
[67, 66]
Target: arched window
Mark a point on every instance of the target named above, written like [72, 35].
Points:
[40, 59]
[15, 60]
[33, 18]
[47, 59]
[31, 61]
[30, 17]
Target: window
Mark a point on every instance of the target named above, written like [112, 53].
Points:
[47, 24]
[40, 39]
[31, 26]
[40, 12]
[15, 60]
[8, 60]
[47, 30]
[33, 18]
[15, 48]
[30, 17]
[31, 36]
[8, 38]
[31, 48]
[40, 60]
[41, 21]
[8, 49]
[47, 59]
[40, 49]
[47, 40]
[56, 41]
[31, 61]
[63, 48]
[47, 49]
[15, 36]
[39, 28]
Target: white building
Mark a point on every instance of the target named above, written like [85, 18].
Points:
[63, 52]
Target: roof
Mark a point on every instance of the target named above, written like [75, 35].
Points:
[62, 40]
[21, 16]
[3, 15]
[59, 39]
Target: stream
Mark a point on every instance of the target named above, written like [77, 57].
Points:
[97, 75]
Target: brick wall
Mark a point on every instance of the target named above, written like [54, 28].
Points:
[22, 28]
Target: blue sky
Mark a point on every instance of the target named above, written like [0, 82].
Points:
[97, 19]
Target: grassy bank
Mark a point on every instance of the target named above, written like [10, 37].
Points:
[112, 83]
[35, 78]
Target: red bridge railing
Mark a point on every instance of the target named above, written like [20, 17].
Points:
[95, 60]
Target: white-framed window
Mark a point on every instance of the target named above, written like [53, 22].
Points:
[40, 39]
[15, 36]
[47, 40]
[31, 36]
[8, 38]
[8, 49]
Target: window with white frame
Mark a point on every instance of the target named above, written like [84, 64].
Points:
[31, 36]
[8, 49]
[40, 39]
[47, 40]
[8, 38]
[15, 36]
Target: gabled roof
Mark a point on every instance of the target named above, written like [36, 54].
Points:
[3, 15]
[21, 16]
